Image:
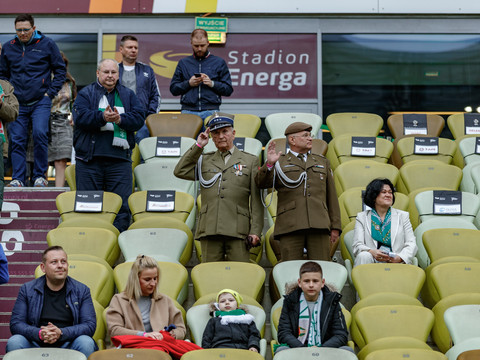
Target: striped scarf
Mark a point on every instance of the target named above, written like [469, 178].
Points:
[309, 324]
[119, 135]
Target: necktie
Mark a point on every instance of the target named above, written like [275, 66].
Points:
[301, 157]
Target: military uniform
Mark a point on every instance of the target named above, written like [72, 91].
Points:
[305, 213]
[231, 207]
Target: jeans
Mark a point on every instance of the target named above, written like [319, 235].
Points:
[203, 114]
[108, 174]
[85, 344]
[38, 115]
[142, 134]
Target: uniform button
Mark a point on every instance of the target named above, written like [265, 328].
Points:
[221, 196]
[308, 186]
[308, 194]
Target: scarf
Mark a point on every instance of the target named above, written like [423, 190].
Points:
[309, 324]
[119, 135]
[381, 231]
[237, 316]
[2, 131]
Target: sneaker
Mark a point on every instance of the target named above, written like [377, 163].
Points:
[16, 183]
[40, 182]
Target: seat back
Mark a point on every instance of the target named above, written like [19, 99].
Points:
[467, 147]
[354, 123]
[456, 277]
[70, 177]
[359, 174]
[343, 149]
[129, 354]
[100, 331]
[435, 125]
[423, 173]
[306, 353]
[396, 320]
[148, 149]
[245, 125]
[470, 354]
[85, 240]
[45, 353]
[187, 125]
[208, 278]
[463, 322]
[66, 206]
[456, 124]
[224, 354]
[441, 243]
[446, 150]
[278, 122]
[369, 279]
[469, 209]
[286, 272]
[402, 354]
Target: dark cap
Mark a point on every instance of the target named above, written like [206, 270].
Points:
[220, 120]
[297, 127]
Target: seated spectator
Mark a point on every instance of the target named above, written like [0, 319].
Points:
[53, 310]
[311, 314]
[141, 297]
[231, 326]
[382, 233]
[4, 277]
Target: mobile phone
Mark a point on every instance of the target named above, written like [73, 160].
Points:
[197, 75]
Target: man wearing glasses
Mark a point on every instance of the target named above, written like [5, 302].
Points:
[308, 214]
[27, 62]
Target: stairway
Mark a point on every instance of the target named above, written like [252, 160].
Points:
[27, 215]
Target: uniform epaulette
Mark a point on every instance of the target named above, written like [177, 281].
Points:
[209, 153]
[323, 156]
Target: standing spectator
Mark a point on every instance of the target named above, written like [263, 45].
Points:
[106, 116]
[60, 148]
[201, 79]
[8, 112]
[28, 61]
[308, 214]
[140, 78]
[53, 310]
[4, 277]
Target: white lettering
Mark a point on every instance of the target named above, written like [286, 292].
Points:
[247, 79]
[234, 76]
[275, 57]
[9, 236]
[232, 55]
[293, 58]
[284, 81]
[262, 79]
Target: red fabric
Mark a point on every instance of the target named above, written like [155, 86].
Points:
[171, 346]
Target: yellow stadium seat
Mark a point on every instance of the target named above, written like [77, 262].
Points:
[70, 177]
[446, 150]
[311, 353]
[441, 243]
[402, 354]
[342, 145]
[456, 277]
[272, 247]
[435, 125]
[224, 354]
[187, 125]
[45, 353]
[128, 354]
[100, 331]
[361, 124]
[148, 149]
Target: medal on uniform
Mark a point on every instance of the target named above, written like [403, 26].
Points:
[238, 169]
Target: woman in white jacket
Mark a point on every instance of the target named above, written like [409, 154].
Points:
[382, 233]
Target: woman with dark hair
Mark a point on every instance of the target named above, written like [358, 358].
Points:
[382, 233]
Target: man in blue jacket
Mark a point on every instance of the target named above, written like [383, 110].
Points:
[106, 116]
[27, 62]
[53, 310]
[201, 79]
[140, 78]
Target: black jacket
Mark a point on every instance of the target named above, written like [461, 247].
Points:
[332, 323]
[235, 336]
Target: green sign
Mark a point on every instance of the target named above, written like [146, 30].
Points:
[211, 24]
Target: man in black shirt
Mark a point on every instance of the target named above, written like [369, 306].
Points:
[53, 310]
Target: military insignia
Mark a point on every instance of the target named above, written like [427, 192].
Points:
[238, 169]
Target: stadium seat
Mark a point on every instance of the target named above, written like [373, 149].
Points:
[412, 209]
[272, 247]
[198, 316]
[89, 221]
[66, 207]
[251, 146]
[468, 350]
[346, 249]
[437, 223]
[129, 354]
[456, 277]
[245, 125]
[369, 279]
[381, 298]
[441, 243]
[361, 124]
[187, 125]
[342, 146]
[100, 331]
[456, 124]
[148, 149]
[246, 278]
[446, 150]
[435, 125]
[319, 146]
[271, 201]
[440, 334]
[224, 354]
[392, 321]
[93, 274]
[311, 353]
[50, 353]
[85, 240]
[70, 177]
[402, 354]
[423, 173]
[467, 147]
[463, 322]
[278, 122]
[163, 244]
[136, 156]
[168, 223]
[173, 279]
[467, 184]
[359, 174]
[475, 174]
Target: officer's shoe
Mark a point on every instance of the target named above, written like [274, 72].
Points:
[40, 182]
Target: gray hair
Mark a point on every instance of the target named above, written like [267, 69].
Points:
[100, 63]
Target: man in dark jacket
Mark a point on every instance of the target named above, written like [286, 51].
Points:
[53, 310]
[28, 62]
[311, 314]
[140, 78]
[106, 116]
[201, 79]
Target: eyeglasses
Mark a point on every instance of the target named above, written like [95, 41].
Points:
[306, 135]
[23, 30]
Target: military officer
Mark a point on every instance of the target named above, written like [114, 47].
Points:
[231, 211]
[308, 214]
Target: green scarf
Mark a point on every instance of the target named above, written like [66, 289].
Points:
[381, 231]
[2, 131]
[119, 135]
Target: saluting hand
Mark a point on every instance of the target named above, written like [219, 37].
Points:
[203, 138]
[272, 155]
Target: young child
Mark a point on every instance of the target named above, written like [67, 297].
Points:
[231, 326]
[311, 314]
